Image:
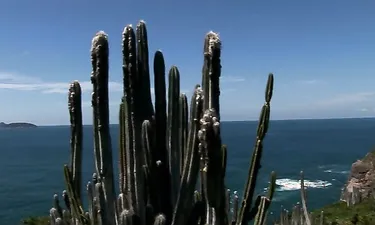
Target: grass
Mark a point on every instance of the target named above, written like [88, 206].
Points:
[363, 212]
[43, 220]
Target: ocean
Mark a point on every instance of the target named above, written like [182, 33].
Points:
[31, 162]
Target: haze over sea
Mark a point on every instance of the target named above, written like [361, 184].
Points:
[32, 159]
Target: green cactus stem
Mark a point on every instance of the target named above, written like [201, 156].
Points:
[211, 72]
[99, 59]
[262, 129]
[134, 158]
[75, 111]
[160, 153]
[143, 76]
[189, 177]
[173, 132]
[183, 129]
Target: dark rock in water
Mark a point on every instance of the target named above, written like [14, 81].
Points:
[361, 181]
[17, 125]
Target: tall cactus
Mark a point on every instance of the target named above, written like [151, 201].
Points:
[99, 78]
[255, 163]
[163, 151]
[75, 111]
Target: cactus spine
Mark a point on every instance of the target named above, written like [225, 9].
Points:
[163, 151]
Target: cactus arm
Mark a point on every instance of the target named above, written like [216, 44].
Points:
[66, 199]
[211, 155]
[212, 171]
[189, 177]
[272, 187]
[75, 202]
[146, 109]
[101, 204]
[122, 150]
[90, 193]
[97, 153]
[160, 154]
[99, 53]
[303, 200]
[260, 218]
[56, 205]
[223, 191]
[147, 134]
[172, 134]
[256, 157]
[73, 175]
[234, 218]
[183, 129]
[211, 72]
[147, 143]
[136, 184]
[75, 111]
[258, 204]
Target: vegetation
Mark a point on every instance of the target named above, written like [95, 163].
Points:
[336, 213]
[36, 220]
[343, 215]
[163, 155]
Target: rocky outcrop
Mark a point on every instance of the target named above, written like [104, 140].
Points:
[361, 181]
[17, 125]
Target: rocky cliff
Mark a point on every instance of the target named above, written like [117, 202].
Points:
[361, 181]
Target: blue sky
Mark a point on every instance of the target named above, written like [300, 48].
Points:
[321, 52]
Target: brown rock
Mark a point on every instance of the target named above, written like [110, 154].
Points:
[361, 181]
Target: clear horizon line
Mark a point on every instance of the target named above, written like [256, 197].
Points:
[253, 120]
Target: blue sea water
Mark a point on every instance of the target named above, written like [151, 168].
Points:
[31, 161]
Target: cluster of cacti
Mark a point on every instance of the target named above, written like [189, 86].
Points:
[172, 163]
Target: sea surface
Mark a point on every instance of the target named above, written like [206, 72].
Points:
[31, 161]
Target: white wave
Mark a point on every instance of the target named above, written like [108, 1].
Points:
[336, 171]
[322, 166]
[334, 168]
[286, 184]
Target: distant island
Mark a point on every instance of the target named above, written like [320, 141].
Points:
[17, 125]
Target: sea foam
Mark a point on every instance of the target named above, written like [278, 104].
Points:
[286, 184]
